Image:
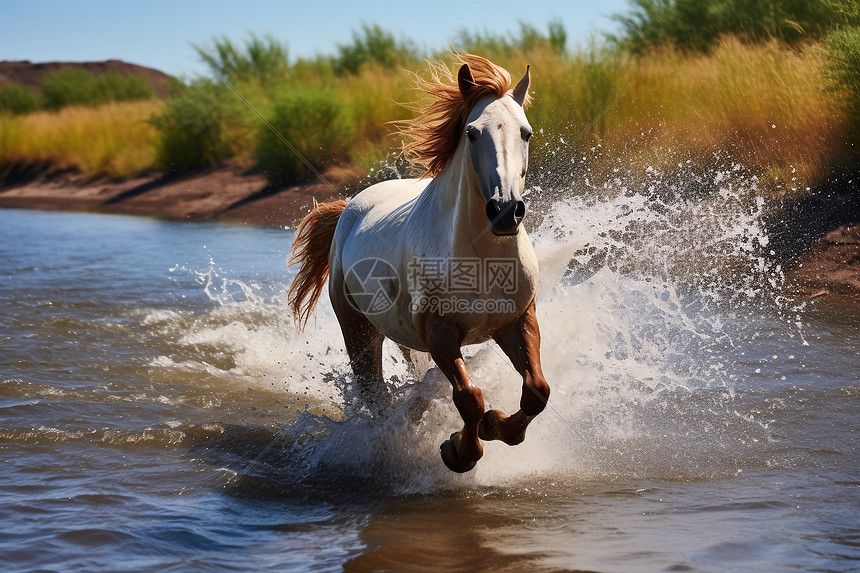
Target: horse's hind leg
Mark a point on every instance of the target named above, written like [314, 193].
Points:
[364, 347]
[521, 342]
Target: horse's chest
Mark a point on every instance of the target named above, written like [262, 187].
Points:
[480, 295]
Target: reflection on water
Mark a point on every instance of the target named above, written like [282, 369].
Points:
[159, 410]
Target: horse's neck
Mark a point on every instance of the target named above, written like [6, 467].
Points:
[457, 203]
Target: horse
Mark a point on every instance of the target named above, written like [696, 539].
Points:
[442, 261]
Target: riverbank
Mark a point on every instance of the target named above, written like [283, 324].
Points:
[819, 237]
[830, 268]
[218, 194]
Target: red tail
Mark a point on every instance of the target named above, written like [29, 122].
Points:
[310, 248]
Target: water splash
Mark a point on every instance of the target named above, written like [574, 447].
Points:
[645, 301]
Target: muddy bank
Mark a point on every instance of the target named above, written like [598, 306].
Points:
[222, 194]
[817, 239]
[830, 268]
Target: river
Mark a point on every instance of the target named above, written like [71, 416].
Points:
[159, 411]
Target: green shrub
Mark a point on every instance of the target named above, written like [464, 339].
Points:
[502, 46]
[600, 82]
[317, 128]
[557, 37]
[114, 86]
[69, 86]
[696, 25]
[195, 128]
[262, 60]
[74, 86]
[843, 71]
[16, 98]
[373, 45]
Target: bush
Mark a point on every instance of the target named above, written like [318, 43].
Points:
[314, 125]
[697, 25]
[529, 39]
[114, 86]
[69, 86]
[373, 45]
[16, 98]
[843, 71]
[74, 86]
[263, 60]
[195, 128]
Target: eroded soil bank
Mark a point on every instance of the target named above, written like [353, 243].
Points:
[817, 239]
[222, 194]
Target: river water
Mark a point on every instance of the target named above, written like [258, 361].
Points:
[159, 411]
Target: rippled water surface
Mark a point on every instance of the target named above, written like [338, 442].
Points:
[159, 411]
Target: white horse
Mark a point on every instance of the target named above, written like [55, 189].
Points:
[436, 264]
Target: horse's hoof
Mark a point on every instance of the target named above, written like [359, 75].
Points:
[488, 429]
[452, 458]
[496, 426]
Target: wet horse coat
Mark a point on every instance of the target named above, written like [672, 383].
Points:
[390, 241]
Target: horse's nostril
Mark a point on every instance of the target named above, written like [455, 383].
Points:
[520, 211]
[505, 217]
[493, 209]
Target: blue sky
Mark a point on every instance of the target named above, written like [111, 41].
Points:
[159, 33]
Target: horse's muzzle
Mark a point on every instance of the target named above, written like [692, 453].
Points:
[505, 216]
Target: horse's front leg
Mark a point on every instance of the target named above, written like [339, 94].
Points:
[463, 450]
[521, 342]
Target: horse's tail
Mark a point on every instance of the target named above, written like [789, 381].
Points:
[311, 248]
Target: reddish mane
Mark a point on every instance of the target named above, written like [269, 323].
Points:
[432, 137]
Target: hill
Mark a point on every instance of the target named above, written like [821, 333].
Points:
[30, 74]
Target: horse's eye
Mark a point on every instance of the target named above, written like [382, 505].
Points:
[526, 133]
[471, 133]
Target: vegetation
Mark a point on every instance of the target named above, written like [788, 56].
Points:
[771, 84]
[530, 39]
[71, 86]
[197, 128]
[263, 60]
[306, 132]
[331, 110]
[698, 25]
[15, 98]
[843, 70]
[112, 140]
[373, 45]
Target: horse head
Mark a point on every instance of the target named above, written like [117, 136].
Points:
[498, 136]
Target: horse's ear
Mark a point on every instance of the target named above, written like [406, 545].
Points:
[522, 89]
[465, 79]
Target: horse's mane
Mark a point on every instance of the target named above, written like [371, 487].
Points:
[431, 138]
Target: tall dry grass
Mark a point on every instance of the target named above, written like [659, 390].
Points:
[112, 140]
[764, 105]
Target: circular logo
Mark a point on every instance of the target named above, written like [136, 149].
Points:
[372, 285]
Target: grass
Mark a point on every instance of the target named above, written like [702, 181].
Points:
[763, 104]
[698, 25]
[843, 73]
[113, 140]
